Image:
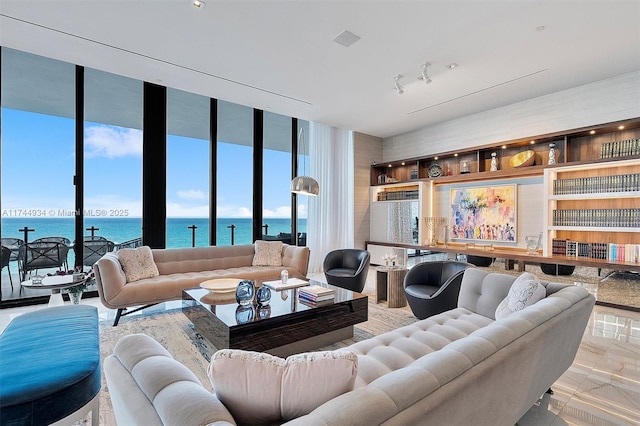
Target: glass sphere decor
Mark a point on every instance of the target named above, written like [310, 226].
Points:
[245, 292]
[263, 295]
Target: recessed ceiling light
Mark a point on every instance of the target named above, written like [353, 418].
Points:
[403, 163]
[435, 158]
[620, 127]
[452, 65]
[346, 38]
[455, 155]
[593, 132]
[504, 147]
[532, 142]
[198, 4]
[389, 165]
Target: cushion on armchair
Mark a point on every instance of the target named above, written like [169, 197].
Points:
[253, 385]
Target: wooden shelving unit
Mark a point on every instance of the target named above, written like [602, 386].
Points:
[595, 219]
[576, 147]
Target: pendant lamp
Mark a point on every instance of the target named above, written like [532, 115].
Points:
[304, 185]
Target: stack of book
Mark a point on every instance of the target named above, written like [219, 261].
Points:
[316, 295]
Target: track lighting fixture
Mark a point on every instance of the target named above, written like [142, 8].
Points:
[423, 75]
[397, 85]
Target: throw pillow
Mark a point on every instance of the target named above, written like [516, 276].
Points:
[525, 291]
[267, 253]
[252, 384]
[137, 263]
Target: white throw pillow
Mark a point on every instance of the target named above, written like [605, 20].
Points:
[525, 291]
[267, 253]
[137, 263]
[251, 385]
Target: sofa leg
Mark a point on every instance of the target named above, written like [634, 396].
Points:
[549, 391]
[121, 312]
[118, 314]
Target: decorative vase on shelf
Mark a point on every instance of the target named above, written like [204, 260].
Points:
[494, 162]
[552, 153]
[245, 292]
[464, 167]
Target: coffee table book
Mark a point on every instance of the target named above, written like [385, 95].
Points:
[277, 285]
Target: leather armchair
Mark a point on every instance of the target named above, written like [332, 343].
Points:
[433, 287]
[347, 268]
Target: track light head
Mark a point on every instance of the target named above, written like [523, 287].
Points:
[397, 86]
[423, 74]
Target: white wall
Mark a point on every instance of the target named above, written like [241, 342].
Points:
[601, 102]
[596, 103]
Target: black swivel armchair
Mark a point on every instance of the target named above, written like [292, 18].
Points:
[433, 287]
[347, 268]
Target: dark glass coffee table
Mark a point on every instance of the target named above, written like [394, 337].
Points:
[283, 327]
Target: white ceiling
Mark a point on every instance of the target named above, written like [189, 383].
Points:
[279, 55]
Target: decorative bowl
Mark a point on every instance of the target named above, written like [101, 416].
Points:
[523, 159]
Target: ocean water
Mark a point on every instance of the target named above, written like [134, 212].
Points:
[123, 229]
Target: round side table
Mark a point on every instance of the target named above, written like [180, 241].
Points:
[389, 287]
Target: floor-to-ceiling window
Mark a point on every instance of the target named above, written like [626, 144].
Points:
[187, 169]
[276, 203]
[234, 172]
[112, 157]
[38, 153]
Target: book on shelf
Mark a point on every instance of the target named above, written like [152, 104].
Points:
[278, 285]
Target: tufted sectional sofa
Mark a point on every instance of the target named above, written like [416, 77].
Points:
[186, 268]
[460, 367]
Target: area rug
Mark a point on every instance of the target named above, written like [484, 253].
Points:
[175, 332]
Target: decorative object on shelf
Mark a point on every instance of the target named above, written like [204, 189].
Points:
[245, 292]
[534, 242]
[382, 178]
[494, 162]
[434, 224]
[284, 276]
[447, 168]
[552, 154]
[464, 167]
[523, 159]
[485, 213]
[414, 173]
[434, 170]
[304, 185]
[390, 259]
[263, 295]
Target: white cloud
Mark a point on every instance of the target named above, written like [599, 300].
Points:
[179, 210]
[111, 142]
[192, 194]
[234, 211]
[283, 211]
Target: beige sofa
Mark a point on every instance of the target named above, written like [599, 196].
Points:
[460, 367]
[186, 268]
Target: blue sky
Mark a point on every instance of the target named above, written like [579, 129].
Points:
[38, 168]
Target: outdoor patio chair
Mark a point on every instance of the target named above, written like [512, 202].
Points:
[62, 240]
[93, 248]
[6, 258]
[41, 255]
[13, 244]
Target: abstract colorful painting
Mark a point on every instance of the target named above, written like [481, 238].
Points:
[484, 213]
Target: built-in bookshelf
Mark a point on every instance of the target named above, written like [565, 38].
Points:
[604, 142]
[593, 211]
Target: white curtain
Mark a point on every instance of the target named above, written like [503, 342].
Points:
[330, 216]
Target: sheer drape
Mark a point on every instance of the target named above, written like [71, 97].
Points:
[330, 217]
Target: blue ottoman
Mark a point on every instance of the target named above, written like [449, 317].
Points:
[50, 366]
